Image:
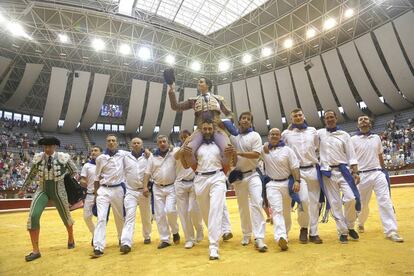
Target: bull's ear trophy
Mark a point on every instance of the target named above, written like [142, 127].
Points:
[169, 76]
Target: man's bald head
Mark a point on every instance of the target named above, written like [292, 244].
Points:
[274, 136]
[136, 144]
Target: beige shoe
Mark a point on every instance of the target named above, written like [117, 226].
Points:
[361, 229]
[395, 237]
[189, 245]
[245, 241]
[260, 245]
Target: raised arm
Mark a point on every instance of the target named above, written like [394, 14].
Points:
[178, 106]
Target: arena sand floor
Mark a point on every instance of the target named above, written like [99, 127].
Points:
[371, 255]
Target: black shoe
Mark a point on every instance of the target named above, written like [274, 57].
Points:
[354, 235]
[163, 245]
[147, 241]
[176, 238]
[303, 236]
[343, 238]
[283, 244]
[71, 245]
[97, 253]
[32, 256]
[125, 249]
[315, 239]
[227, 236]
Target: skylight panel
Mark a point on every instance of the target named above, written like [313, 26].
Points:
[148, 5]
[203, 16]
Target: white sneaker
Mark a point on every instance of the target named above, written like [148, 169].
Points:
[395, 237]
[260, 245]
[214, 254]
[189, 245]
[245, 241]
[200, 236]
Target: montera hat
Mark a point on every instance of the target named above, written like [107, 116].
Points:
[48, 141]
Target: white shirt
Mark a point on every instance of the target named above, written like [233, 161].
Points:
[48, 174]
[88, 171]
[367, 149]
[245, 143]
[280, 162]
[186, 174]
[110, 169]
[162, 169]
[304, 142]
[336, 148]
[134, 169]
[208, 158]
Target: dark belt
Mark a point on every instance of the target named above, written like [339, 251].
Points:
[137, 189]
[111, 186]
[372, 170]
[247, 172]
[187, 180]
[334, 166]
[279, 180]
[90, 193]
[209, 173]
[165, 184]
[307, 167]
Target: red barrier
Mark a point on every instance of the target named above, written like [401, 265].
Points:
[11, 204]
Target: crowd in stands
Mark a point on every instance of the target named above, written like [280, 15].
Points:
[398, 144]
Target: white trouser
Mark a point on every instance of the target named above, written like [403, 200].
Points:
[309, 194]
[211, 195]
[376, 181]
[279, 201]
[226, 225]
[132, 199]
[87, 212]
[334, 186]
[106, 196]
[165, 211]
[188, 210]
[249, 192]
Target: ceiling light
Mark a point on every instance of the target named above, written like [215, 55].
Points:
[311, 32]
[144, 53]
[195, 66]
[266, 52]
[124, 49]
[288, 43]
[63, 38]
[17, 30]
[2, 18]
[329, 23]
[170, 59]
[223, 66]
[349, 13]
[98, 44]
[247, 58]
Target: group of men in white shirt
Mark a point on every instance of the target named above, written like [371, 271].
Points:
[300, 163]
[121, 179]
